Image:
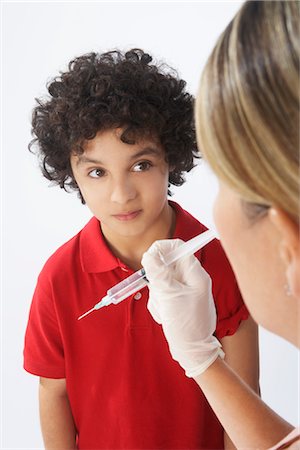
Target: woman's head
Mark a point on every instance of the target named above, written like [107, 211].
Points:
[247, 115]
[248, 105]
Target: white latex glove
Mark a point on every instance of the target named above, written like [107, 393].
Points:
[181, 301]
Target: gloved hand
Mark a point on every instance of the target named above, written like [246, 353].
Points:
[181, 301]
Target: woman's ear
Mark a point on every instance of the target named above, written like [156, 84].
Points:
[289, 245]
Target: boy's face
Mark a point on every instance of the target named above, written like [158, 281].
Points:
[125, 186]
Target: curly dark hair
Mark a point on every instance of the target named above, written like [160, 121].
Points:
[114, 90]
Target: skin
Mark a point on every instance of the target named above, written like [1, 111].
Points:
[116, 179]
[56, 418]
[265, 255]
[264, 260]
[241, 355]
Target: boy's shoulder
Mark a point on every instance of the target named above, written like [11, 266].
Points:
[187, 226]
[212, 256]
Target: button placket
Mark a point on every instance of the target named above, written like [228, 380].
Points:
[136, 318]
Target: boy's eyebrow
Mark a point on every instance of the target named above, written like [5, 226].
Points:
[82, 159]
[147, 151]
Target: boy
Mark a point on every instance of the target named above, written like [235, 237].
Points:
[119, 130]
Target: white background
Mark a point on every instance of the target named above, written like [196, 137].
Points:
[38, 39]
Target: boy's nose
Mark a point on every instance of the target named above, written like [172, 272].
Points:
[123, 191]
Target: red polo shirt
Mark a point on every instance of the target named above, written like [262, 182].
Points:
[125, 390]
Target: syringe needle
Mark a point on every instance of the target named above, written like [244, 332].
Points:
[85, 314]
[138, 279]
[95, 307]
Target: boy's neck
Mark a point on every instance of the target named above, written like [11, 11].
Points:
[131, 249]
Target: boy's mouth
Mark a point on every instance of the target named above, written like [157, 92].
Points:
[127, 215]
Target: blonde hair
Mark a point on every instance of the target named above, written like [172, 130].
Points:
[247, 108]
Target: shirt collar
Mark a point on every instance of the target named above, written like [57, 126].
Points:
[95, 254]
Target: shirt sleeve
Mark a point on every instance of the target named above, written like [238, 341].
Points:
[43, 349]
[230, 307]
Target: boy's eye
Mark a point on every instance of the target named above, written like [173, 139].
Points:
[142, 166]
[97, 173]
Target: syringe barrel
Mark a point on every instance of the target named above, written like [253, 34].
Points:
[127, 287]
[189, 247]
[129, 290]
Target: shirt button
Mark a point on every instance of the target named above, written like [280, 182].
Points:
[137, 296]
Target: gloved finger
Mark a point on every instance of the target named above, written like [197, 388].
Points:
[186, 272]
[190, 272]
[164, 246]
[152, 306]
[152, 259]
[186, 310]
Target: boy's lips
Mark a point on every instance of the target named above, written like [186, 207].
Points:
[127, 215]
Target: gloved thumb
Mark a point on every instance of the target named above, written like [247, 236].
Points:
[153, 258]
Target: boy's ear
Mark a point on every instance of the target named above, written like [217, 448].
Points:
[289, 245]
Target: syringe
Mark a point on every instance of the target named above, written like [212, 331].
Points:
[138, 279]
